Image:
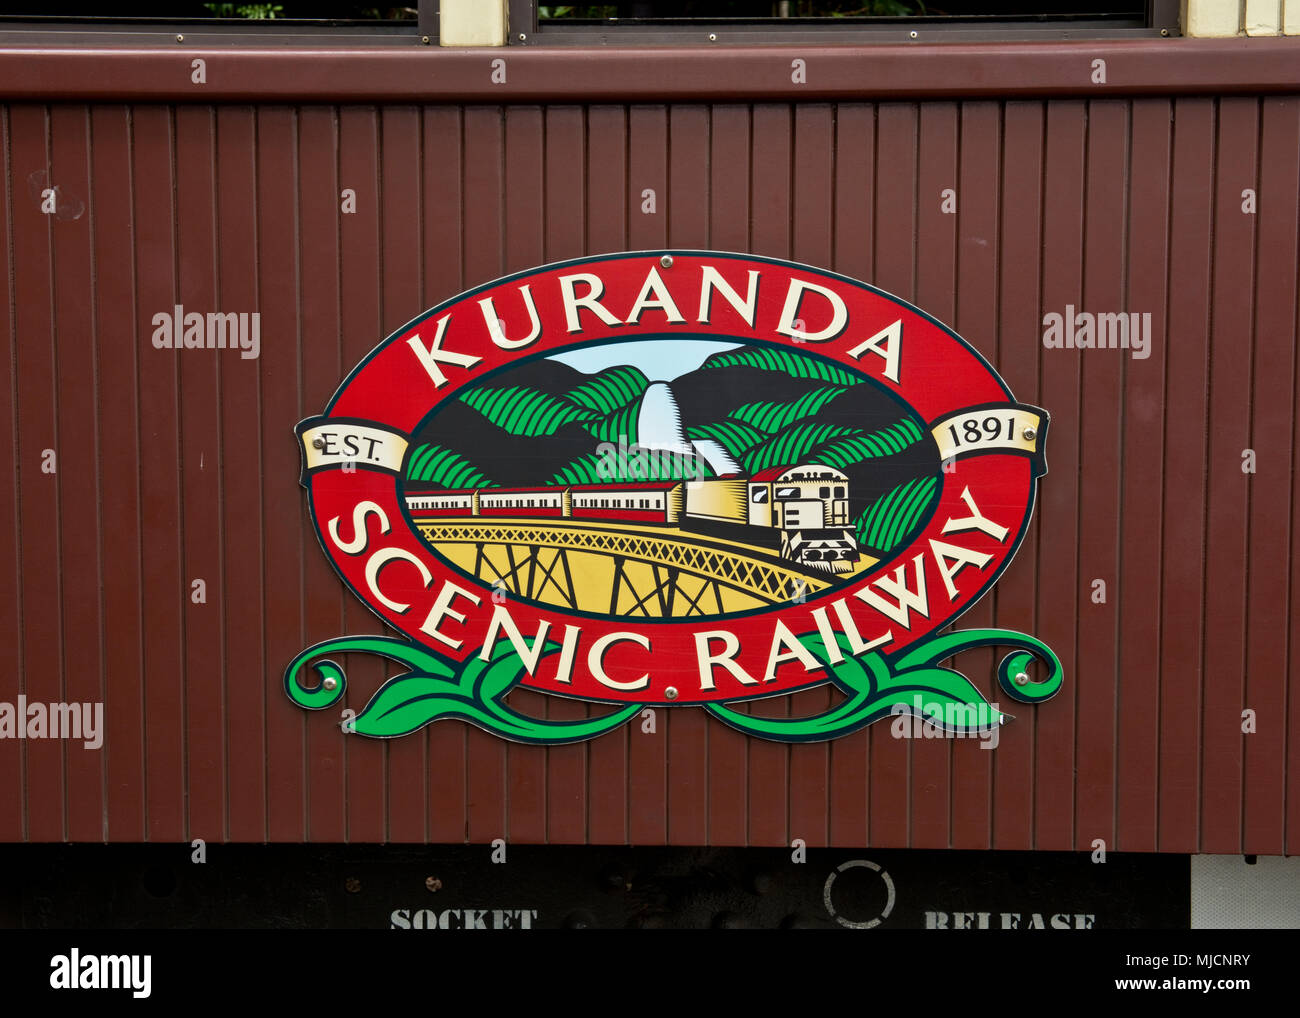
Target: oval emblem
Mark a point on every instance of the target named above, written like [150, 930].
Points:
[672, 478]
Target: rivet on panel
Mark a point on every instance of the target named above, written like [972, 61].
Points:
[1029, 434]
[671, 693]
[712, 37]
[1021, 678]
[180, 38]
[912, 34]
[330, 683]
[666, 261]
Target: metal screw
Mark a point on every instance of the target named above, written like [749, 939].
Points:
[1021, 678]
[666, 261]
[180, 38]
[318, 443]
[433, 884]
[671, 692]
[912, 34]
[424, 39]
[522, 37]
[331, 683]
[352, 885]
[1164, 32]
[712, 37]
[1029, 434]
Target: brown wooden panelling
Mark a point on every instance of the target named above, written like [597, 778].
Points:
[1158, 568]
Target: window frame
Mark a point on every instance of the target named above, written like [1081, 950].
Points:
[524, 29]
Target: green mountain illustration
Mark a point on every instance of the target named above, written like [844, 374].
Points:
[744, 410]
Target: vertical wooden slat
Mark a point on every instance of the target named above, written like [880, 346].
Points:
[1182, 636]
[978, 197]
[1142, 455]
[1271, 811]
[890, 820]
[610, 200]
[1020, 349]
[242, 481]
[771, 215]
[401, 205]
[855, 164]
[936, 280]
[166, 590]
[1058, 590]
[320, 201]
[484, 258]
[647, 168]
[122, 341]
[813, 229]
[525, 227]
[729, 224]
[444, 278]
[201, 533]
[564, 186]
[360, 319]
[277, 263]
[39, 558]
[1231, 306]
[688, 227]
[1101, 382]
[12, 630]
[78, 425]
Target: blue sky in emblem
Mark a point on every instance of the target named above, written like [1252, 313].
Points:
[660, 360]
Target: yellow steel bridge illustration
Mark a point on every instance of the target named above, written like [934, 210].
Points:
[620, 568]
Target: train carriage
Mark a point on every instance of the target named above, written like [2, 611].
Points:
[529, 503]
[643, 502]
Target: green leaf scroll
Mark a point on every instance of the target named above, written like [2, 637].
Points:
[875, 685]
[435, 688]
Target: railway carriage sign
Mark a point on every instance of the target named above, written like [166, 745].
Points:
[685, 477]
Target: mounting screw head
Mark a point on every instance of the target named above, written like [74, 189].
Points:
[1021, 679]
[1164, 32]
[671, 693]
[318, 443]
[1030, 434]
[352, 885]
[330, 683]
[522, 37]
[433, 884]
[424, 39]
[912, 34]
[712, 37]
[666, 261]
[180, 38]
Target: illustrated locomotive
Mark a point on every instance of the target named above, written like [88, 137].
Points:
[802, 512]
